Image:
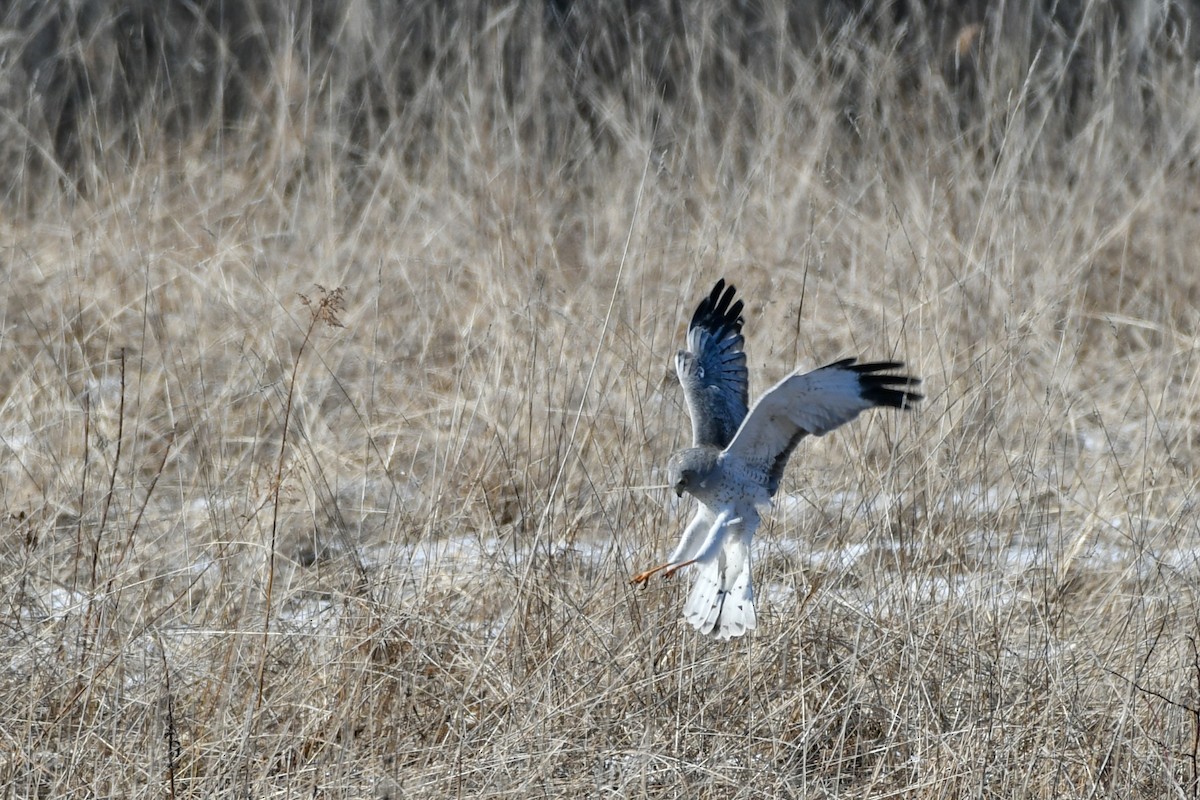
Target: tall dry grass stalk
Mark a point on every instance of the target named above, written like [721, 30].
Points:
[411, 537]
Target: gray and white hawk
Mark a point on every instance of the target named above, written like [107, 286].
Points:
[737, 456]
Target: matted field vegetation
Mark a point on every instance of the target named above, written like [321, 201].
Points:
[336, 391]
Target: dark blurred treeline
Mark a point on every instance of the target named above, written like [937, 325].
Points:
[93, 81]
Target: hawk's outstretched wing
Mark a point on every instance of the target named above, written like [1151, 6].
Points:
[712, 370]
[815, 402]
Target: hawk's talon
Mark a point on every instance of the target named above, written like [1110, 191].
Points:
[643, 578]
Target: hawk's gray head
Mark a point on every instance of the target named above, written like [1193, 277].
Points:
[690, 469]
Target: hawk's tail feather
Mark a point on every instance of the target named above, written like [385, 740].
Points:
[721, 603]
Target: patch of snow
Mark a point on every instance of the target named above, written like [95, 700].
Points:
[61, 602]
[840, 558]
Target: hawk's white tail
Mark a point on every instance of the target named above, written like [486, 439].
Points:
[721, 603]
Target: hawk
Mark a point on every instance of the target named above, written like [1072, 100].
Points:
[738, 456]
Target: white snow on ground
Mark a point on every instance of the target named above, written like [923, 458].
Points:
[1002, 560]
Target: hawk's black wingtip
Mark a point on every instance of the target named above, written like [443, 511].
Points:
[888, 390]
[719, 312]
[892, 398]
[883, 390]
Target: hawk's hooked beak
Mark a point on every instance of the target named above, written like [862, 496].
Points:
[679, 489]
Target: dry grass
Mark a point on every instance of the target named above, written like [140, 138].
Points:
[421, 590]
